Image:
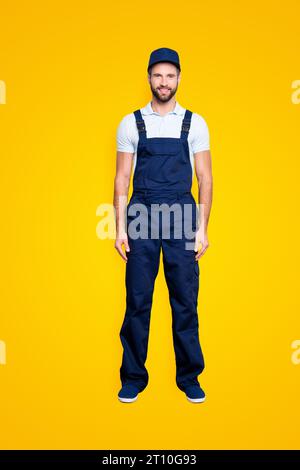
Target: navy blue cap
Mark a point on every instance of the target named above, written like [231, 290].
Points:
[164, 54]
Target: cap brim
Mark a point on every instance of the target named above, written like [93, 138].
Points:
[170, 61]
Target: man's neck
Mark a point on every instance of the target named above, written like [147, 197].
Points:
[163, 108]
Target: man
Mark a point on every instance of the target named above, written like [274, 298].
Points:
[164, 144]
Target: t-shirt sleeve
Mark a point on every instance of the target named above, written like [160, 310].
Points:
[200, 139]
[124, 139]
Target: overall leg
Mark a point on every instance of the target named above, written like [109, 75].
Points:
[141, 271]
[182, 277]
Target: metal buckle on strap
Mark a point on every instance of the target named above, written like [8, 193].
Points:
[141, 125]
[185, 126]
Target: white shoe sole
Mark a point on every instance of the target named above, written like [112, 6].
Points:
[127, 400]
[196, 400]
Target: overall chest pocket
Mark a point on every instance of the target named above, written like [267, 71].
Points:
[162, 162]
[162, 148]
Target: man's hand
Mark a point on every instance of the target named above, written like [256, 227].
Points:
[201, 237]
[120, 241]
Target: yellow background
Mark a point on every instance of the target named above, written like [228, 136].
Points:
[72, 70]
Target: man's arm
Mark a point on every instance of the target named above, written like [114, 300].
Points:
[121, 185]
[203, 170]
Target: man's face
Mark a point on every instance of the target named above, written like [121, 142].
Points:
[164, 81]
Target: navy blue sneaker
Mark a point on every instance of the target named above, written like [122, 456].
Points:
[195, 394]
[128, 393]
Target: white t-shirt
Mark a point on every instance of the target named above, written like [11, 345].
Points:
[168, 125]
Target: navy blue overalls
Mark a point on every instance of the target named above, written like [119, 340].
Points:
[163, 174]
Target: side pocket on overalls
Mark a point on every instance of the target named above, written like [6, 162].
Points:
[196, 277]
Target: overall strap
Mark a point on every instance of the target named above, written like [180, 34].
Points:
[186, 122]
[140, 123]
